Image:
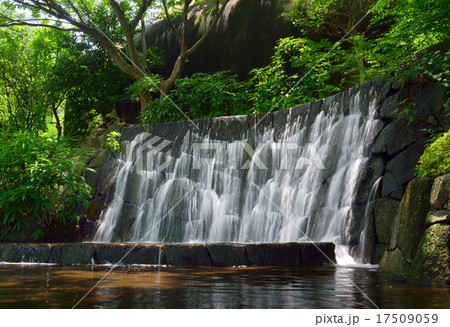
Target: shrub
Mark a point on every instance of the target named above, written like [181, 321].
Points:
[40, 180]
[435, 160]
[201, 96]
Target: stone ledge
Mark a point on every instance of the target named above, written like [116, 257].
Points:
[183, 255]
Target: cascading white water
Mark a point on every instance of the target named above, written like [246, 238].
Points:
[298, 184]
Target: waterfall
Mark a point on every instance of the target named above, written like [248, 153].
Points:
[296, 179]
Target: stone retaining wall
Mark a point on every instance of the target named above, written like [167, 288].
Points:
[183, 255]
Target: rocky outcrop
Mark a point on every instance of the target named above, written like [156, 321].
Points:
[243, 39]
[418, 246]
[182, 255]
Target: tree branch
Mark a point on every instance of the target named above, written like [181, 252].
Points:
[171, 24]
[210, 28]
[144, 44]
[129, 32]
[139, 15]
[38, 25]
[77, 12]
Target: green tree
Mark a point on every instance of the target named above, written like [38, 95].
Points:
[412, 26]
[129, 16]
[28, 99]
[346, 20]
[40, 181]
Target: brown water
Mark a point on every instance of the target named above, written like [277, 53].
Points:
[40, 286]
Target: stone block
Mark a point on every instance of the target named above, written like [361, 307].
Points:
[440, 192]
[227, 254]
[185, 255]
[72, 254]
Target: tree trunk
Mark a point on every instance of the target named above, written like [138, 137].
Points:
[166, 85]
[57, 120]
[145, 98]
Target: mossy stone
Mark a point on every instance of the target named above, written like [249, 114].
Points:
[431, 266]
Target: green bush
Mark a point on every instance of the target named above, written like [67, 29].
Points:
[40, 180]
[201, 96]
[435, 160]
[299, 72]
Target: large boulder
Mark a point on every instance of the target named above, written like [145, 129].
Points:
[410, 220]
[431, 264]
[244, 37]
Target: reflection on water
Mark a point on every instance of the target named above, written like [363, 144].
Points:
[45, 286]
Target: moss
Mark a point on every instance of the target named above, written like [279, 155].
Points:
[431, 266]
[393, 266]
[435, 160]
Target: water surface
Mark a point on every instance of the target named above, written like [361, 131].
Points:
[47, 286]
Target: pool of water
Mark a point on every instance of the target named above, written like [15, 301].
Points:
[46, 286]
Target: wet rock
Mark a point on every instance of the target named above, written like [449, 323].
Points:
[318, 254]
[227, 254]
[400, 169]
[396, 136]
[95, 208]
[132, 192]
[380, 249]
[129, 214]
[306, 112]
[440, 192]
[228, 128]
[355, 224]
[185, 255]
[103, 178]
[431, 266]
[373, 169]
[275, 254]
[72, 254]
[394, 266]
[127, 254]
[384, 211]
[38, 253]
[257, 123]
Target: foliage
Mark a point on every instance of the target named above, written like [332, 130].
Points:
[435, 160]
[201, 96]
[148, 83]
[27, 97]
[95, 85]
[112, 141]
[299, 72]
[114, 26]
[35, 171]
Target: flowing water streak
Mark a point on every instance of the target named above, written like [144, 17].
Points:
[310, 169]
[361, 255]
